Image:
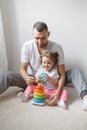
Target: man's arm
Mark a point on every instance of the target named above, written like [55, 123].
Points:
[61, 82]
[23, 69]
[24, 74]
[54, 98]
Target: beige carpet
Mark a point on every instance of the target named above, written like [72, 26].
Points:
[16, 115]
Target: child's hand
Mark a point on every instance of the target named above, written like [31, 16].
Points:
[47, 78]
[38, 80]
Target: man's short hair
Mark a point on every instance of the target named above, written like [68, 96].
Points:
[40, 26]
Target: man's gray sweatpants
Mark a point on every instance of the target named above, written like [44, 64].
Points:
[9, 79]
[74, 76]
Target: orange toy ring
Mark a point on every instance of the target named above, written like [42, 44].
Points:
[41, 94]
[39, 91]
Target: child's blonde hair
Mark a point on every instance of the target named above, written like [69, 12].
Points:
[49, 54]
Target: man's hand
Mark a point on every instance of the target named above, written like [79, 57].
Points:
[53, 100]
[30, 80]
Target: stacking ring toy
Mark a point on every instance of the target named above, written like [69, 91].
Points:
[39, 95]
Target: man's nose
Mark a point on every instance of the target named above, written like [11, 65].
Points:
[40, 40]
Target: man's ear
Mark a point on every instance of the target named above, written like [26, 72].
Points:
[48, 34]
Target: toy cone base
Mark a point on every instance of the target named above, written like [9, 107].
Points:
[39, 104]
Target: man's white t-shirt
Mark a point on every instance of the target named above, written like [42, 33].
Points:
[31, 55]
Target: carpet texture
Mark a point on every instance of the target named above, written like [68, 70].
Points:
[17, 115]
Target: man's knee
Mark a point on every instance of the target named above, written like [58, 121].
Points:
[7, 74]
[76, 71]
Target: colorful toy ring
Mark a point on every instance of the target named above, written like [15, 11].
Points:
[41, 94]
[39, 101]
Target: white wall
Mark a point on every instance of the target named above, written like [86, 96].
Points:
[66, 19]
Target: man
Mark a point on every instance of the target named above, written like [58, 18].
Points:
[30, 63]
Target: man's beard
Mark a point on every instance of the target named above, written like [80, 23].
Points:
[42, 45]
